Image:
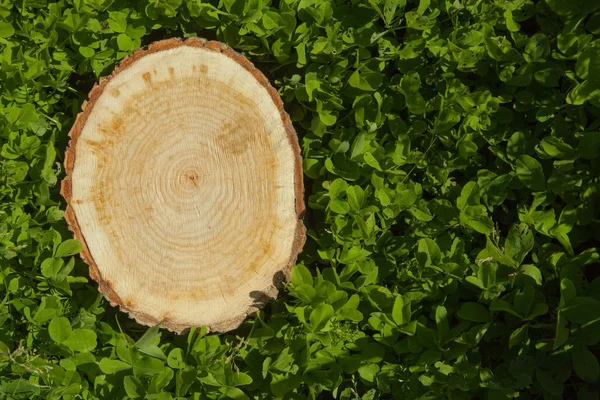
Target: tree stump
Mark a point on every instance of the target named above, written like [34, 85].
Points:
[184, 185]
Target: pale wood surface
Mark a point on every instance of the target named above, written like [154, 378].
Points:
[184, 187]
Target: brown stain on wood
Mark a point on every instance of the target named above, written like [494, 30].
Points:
[97, 147]
[254, 266]
[112, 132]
[129, 303]
[235, 137]
[197, 294]
[267, 250]
[147, 77]
[172, 72]
[203, 68]
[115, 127]
[115, 92]
[264, 251]
[101, 201]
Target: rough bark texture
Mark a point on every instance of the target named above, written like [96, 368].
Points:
[235, 316]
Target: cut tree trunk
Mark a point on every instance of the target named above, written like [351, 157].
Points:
[184, 185]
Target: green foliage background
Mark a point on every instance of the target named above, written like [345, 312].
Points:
[451, 153]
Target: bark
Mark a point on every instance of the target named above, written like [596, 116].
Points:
[184, 186]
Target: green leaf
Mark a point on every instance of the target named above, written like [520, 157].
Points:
[233, 393]
[6, 30]
[410, 83]
[312, 83]
[132, 387]
[124, 42]
[423, 5]
[337, 188]
[497, 255]
[397, 314]
[21, 387]
[511, 25]
[516, 145]
[372, 352]
[585, 363]
[549, 384]
[304, 292]
[467, 148]
[271, 20]
[533, 272]
[368, 372]
[524, 300]
[573, 8]
[469, 196]
[356, 196]
[301, 275]
[81, 340]
[183, 378]
[530, 172]
[339, 206]
[518, 336]
[443, 326]
[475, 312]
[241, 379]
[581, 310]
[519, 243]
[371, 161]
[428, 253]
[52, 266]
[147, 366]
[476, 218]
[109, 366]
[589, 145]
[68, 248]
[537, 310]
[118, 22]
[556, 147]
[587, 64]
[150, 338]
[567, 292]
[320, 316]
[59, 329]
[282, 384]
[176, 359]
[586, 90]
[420, 211]
[87, 52]
[416, 104]
[537, 48]
[407, 198]
[562, 332]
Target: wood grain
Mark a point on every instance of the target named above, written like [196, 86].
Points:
[184, 184]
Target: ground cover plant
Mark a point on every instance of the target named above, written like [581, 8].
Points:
[452, 170]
